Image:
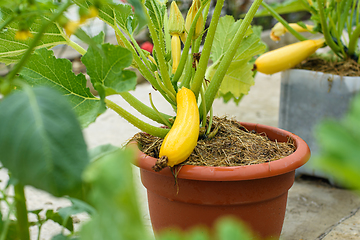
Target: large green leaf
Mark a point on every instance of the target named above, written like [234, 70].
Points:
[107, 69]
[239, 76]
[46, 70]
[11, 49]
[113, 196]
[41, 142]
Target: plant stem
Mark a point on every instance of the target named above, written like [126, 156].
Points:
[353, 40]
[185, 52]
[143, 126]
[205, 55]
[329, 41]
[160, 54]
[21, 212]
[164, 121]
[220, 72]
[75, 46]
[141, 66]
[143, 109]
[36, 39]
[283, 22]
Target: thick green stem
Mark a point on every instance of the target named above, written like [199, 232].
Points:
[215, 83]
[140, 51]
[185, 52]
[36, 39]
[21, 212]
[143, 126]
[283, 22]
[141, 66]
[144, 109]
[160, 55]
[75, 46]
[354, 40]
[328, 39]
[164, 120]
[205, 55]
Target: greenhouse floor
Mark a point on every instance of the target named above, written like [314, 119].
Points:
[315, 210]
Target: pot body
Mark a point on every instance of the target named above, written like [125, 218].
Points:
[307, 98]
[254, 194]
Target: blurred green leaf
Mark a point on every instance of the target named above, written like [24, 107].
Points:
[76, 207]
[339, 143]
[100, 151]
[113, 196]
[44, 69]
[41, 142]
[56, 217]
[231, 229]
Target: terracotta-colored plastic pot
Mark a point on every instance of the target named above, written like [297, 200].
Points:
[255, 194]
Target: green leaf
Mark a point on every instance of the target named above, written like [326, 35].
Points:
[56, 217]
[41, 142]
[231, 229]
[108, 70]
[239, 76]
[289, 6]
[339, 143]
[156, 11]
[100, 151]
[121, 14]
[76, 207]
[11, 50]
[113, 196]
[46, 70]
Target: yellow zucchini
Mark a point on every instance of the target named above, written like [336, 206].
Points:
[175, 51]
[287, 57]
[279, 30]
[182, 137]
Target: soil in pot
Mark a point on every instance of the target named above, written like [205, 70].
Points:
[228, 144]
[342, 68]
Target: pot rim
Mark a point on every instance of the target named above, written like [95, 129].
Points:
[236, 173]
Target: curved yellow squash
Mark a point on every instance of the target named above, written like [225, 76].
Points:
[287, 57]
[182, 137]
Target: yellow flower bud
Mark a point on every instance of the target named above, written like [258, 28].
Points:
[176, 20]
[71, 27]
[23, 35]
[195, 6]
[279, 30]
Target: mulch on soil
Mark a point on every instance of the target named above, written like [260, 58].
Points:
[233, 145]
[342, 68]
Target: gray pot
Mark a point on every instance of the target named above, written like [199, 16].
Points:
[306, 98]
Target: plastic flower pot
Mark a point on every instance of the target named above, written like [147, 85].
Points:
[307, 98]
[254, 194]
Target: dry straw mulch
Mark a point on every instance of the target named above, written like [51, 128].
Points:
[233, 145]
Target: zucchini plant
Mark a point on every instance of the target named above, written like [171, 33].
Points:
[337, 22]
[45, 104]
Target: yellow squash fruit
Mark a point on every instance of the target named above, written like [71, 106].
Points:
[287, 57]
[182, 137]
[175, 51]
[279, 30]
